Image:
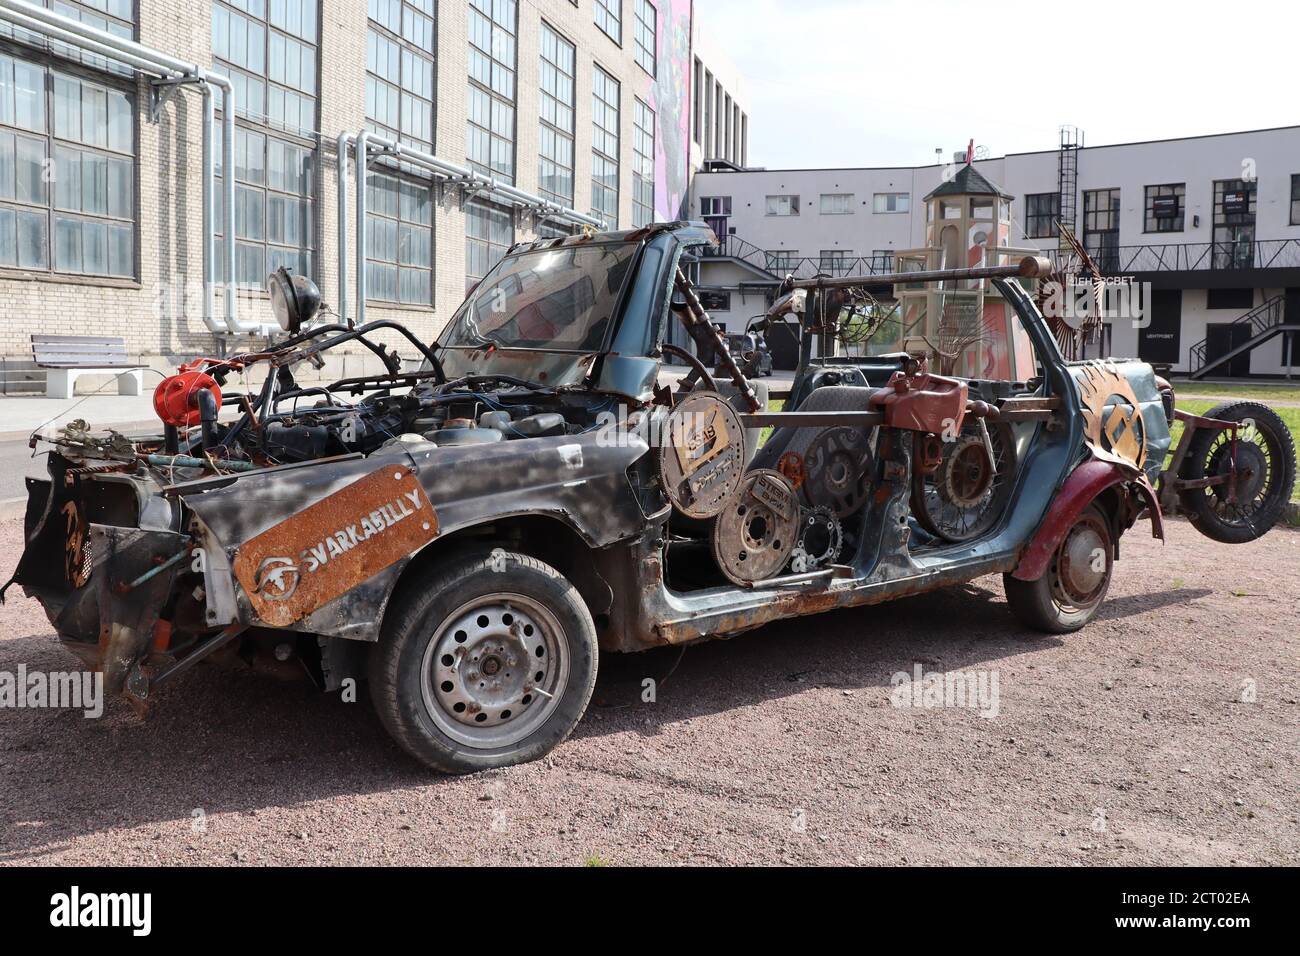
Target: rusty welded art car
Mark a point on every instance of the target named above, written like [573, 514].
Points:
[471, 530]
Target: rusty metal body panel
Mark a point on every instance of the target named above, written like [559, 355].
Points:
[579, 480]
[328, 548]
[1085, 483]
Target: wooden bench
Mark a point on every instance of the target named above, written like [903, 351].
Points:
[68, 356]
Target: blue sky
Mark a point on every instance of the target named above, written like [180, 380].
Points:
[884, 82]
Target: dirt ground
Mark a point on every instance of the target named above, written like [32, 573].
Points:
[1165, 732]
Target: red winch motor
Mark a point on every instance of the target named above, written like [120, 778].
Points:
[176, 399]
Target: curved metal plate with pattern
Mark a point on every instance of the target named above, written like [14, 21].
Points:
[839, 470]
[701, 454]
[1113, 424]
[758, 529]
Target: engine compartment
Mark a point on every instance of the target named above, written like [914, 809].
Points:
[449, 415]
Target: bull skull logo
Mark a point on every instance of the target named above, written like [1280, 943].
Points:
[277, 578]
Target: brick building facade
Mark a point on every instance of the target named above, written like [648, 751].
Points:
[542, 94]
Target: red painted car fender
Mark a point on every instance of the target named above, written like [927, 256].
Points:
[1085, 483]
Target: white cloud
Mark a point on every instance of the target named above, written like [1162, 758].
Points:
[885, 82]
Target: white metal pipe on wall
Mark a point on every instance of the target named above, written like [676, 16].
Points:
[362, 147]
[439, 167]
[344, 142]
[208, 177]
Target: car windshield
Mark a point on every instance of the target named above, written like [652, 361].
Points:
[554, 300]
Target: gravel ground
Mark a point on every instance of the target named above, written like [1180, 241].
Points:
[1128, 743]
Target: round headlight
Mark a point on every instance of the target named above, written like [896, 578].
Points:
[295, 300]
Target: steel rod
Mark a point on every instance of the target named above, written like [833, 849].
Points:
[1030, 267]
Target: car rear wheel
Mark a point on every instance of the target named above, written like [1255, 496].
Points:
[1070, 592]
[486, 664]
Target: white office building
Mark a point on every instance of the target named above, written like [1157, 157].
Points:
[1210, 225]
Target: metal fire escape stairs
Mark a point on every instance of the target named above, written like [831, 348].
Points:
[1067, 181]
[1265, 322]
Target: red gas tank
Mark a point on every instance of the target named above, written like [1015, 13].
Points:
[922, 402]
[175, 400]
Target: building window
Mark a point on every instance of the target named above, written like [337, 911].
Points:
[715, 205]
[1164, 207]
[269, 53]
[781, 260]
[604, 147]
[489, 232]
[1233, 232]
[399, 240]
[697, 79]
[707, 142]
[273, 207]
[719, 121]
[1041, 212]
[835, 261]
[84, 133]
[609, 17]
[1238, 299]
[555, 151]
[400, 73]
[782, 206]
[112, 16]
[491, 135]
[1295, 199]
[836, 204]
[546, 229]
[643, 164]
[1101, 227]
[715, 301]
[891, 202]
[644, 34]
[882, 260]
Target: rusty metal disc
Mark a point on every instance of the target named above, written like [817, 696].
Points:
[791, 465]
[965, 473]
[759, 527]
[701, 454]
[838, 464]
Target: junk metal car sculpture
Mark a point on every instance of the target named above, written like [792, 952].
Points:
[471, 535]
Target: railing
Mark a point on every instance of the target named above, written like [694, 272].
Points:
[1260, 319]
[1197, 256]
[804, 267]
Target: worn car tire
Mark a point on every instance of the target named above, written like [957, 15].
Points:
[418, 634]
[1215, 518]
[1043, 604]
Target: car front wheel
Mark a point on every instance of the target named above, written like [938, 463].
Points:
[485, 664]
[1070, 592]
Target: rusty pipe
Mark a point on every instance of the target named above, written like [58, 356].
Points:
[1030, 267]
[700, 322]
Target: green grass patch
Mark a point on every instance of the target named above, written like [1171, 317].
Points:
[773, 405]
[1291, 416]
[1256, 393]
